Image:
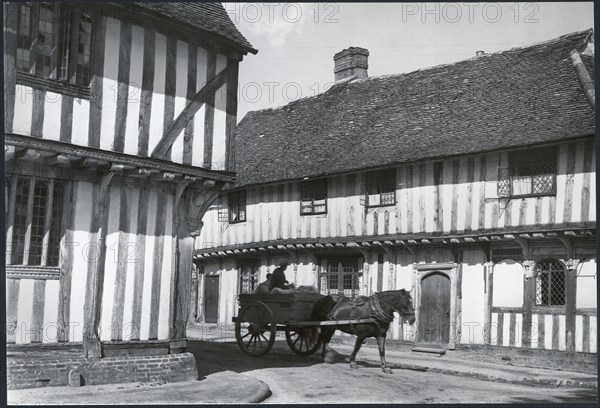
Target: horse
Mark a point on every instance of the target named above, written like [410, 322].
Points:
[380, 306]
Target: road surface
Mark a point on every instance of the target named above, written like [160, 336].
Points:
[295, 379]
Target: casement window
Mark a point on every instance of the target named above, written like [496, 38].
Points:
[236, 206]
[341, 276]
[34, 220]
[248, 277]
[531, 173]
[550, 281]
[54, 41]
[313, 198]
[381, 188]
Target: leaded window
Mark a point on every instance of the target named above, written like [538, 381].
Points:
[24, 37]
[35, 227]
[550, 283]
[54, 41]
[248, 277]
[530, 173]
[381, 188]
[340, 276]
[313, 198]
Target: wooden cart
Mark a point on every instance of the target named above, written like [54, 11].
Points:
[261, 316]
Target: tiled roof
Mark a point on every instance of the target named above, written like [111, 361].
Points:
[210, 17]
[520, 97]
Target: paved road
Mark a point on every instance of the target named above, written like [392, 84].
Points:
[295, 379]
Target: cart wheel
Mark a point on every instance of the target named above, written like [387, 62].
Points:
[254, 330]
[303, 341]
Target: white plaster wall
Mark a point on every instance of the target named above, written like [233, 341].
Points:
[404, 277]
[473, 299]
[586, 285]
[228, 292]
[508, 284]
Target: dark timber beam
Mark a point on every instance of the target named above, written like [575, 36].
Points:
[95, 280]
[187, 114]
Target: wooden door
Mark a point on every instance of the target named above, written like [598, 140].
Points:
[211, 299]
[434, 309]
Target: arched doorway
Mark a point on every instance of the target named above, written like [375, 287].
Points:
[434, 309]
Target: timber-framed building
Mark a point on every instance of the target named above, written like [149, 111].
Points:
[470, 184]
[119, 121]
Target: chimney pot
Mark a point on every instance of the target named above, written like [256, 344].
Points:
[479, 53]
[351, 62]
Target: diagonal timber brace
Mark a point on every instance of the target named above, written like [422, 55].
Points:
[187, 114]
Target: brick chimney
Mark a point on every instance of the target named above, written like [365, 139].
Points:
[351, 62]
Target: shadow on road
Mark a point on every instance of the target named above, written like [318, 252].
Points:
[570, 396]
[213, 357]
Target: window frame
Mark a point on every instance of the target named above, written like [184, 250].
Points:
[50, 221]
[517, 166]
[71, 84]
[234, 200]
[549, 272]
[340, 274]
[374, 178]
[309, 191]
[253, 267]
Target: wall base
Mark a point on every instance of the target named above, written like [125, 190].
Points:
[32, 372]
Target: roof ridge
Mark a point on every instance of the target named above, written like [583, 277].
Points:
[397, 75]
[486, 55]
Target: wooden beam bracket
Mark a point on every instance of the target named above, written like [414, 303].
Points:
[524, 244]
[389, 251]
[28, 155]
[364, 252]
[568, 244]
[486, 248]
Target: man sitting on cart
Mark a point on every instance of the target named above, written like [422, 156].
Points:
[278, 283]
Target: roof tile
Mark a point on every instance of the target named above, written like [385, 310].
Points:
[520, 97]
[210, 17]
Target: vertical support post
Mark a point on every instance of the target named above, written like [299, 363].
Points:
[379, 272]
[453, 308]
[231, 110]
[95, 282]
[570, 305]
[186, 205]
[528, 301]
[488, 269]
[193, 316]
[179, 308]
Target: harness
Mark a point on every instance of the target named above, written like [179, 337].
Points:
[377, 310]
[362, 302]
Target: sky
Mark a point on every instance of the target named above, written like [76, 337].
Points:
[297, 41]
